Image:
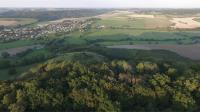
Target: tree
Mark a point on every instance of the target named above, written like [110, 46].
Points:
[5, 63]
[8, 99]
[5, 54]
[147, 68]
[182, 101]
[60, 85]
[16, 108]
[171, 72]
[121, 66]
[12, 71]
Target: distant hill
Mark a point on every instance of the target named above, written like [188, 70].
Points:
[45, 15]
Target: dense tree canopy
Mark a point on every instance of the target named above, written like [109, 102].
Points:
[60, 85]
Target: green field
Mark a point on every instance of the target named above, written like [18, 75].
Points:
[197, 19]
[127, 36]
[19, 43]
[136, 23]
[4, 74]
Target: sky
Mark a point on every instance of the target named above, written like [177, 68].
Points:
[101, 3]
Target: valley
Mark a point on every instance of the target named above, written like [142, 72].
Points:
[146, 60]
[117, 29]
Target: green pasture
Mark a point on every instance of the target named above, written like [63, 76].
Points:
[39, 52]
[14, 44]
[128, 36]
[18, 43]
[82, 57]
[138, 23]
[4, 75]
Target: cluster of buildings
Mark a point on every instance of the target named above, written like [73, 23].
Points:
[65, 26]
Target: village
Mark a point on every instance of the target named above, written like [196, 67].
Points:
[39, 31]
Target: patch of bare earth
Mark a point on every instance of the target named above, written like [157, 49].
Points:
[185, 23]
[189, 51]
[122, 14]
[7, 22]
[141, 16]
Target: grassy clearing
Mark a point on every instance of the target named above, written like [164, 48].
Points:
[75, 41]
[5, 76]
[18, 43]
[82, 57]
[38, 52]
[15, 44]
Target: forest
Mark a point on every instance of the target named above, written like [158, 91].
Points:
[63, 84]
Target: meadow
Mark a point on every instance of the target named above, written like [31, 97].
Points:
[189, 51]
[22, 62]
[19, 43]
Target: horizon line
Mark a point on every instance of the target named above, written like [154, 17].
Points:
[102, 7]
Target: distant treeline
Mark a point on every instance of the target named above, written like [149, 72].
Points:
[169, 11]
[44, 15]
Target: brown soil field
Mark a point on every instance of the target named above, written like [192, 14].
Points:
[189, 51]
[8, 22]
[16, 21]
[185, 23]
[141, 16]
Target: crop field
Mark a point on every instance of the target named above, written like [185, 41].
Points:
[128, 36]
[126, 19]
[187, 23]
[189, 51]
[16, 21]
[132, 20]
[7, 22]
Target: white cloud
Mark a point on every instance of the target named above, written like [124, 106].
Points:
[101, 3]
